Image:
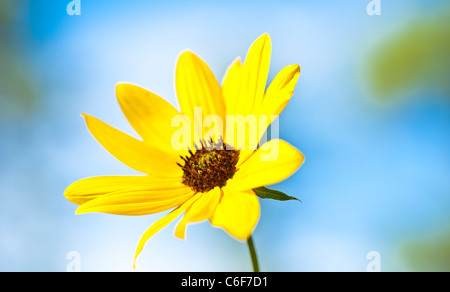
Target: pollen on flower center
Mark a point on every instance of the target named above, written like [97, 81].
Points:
[209, 167]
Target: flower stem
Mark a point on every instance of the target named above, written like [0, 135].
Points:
[251, 248]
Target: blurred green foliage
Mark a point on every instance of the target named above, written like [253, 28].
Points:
[18, 85]
[429, 254]
[416, 57]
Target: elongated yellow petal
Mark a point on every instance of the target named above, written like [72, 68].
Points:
[201, 210]
[91, 188]
[275, 99]
[149, 114]
[280, 91]
[238, 213]
[160, 224]
[243, 91]
[197, 87]
[243, 133]
[254, 75]
[138, 201]
[273, 162]
[132, 152]
[231, 87]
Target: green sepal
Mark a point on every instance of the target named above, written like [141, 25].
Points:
[266, 193]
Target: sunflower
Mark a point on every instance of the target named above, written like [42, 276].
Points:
[209, 179]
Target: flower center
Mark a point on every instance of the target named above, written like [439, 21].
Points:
[209, 167]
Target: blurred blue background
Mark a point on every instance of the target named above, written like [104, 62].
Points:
[371, 113]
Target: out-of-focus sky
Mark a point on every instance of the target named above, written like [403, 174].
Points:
[371, 113]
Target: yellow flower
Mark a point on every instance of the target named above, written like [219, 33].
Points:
[214, 184]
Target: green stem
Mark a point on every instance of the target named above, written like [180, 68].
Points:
[251, 248]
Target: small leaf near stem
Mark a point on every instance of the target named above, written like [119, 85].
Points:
[266, 193]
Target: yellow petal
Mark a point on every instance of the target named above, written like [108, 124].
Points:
[91, 188]
[149, 114]
[243, 91]
[134, 153]
[138, 201]
[197, 87]
[238, 213]
[273, 162]
[231, 87]
[160, 224]
[201, 210]
[275, 100]
[254, 75]
[244, 155]
[280, 91]
[243, 133]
